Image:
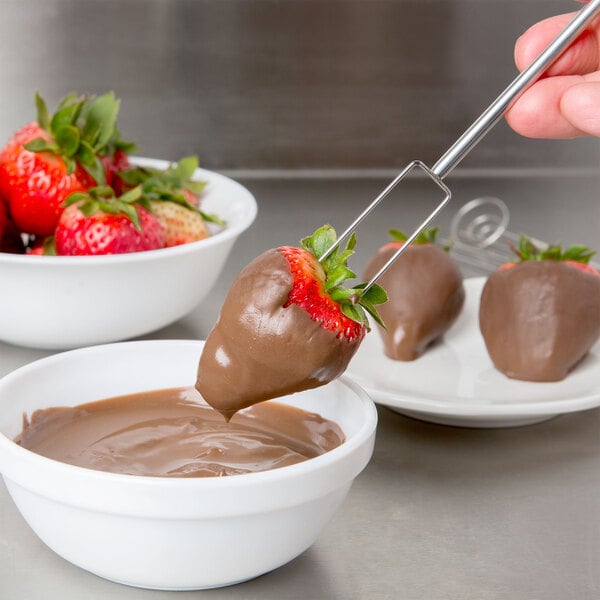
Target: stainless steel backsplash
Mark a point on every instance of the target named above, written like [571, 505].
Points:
[283, 84]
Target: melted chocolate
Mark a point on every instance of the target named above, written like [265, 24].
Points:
[170, 433]
[539, 319]
[260, 350]
[426, 295]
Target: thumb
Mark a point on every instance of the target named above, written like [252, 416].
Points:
[580, 105]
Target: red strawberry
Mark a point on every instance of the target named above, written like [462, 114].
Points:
[42, 247]
[37, 249]
[173, 195]
[539, 317]
[425, 290]
[10, 239]
[46, 161]
[99, 223]
[180, 224]
[113, 164]
[286, 325]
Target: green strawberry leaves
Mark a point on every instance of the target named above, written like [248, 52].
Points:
[527, 250]
[354, 302]
[100, 120]
[169, 185]
[103, 198]
[82, 129]
[427, 236]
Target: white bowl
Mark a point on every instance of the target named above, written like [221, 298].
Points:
[164, 533]
[64, 302]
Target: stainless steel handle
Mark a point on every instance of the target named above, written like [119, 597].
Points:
[469, 139]
[475, 133]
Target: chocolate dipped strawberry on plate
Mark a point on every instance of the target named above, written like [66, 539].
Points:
[425, 290]
[540, 315]
[287, 324]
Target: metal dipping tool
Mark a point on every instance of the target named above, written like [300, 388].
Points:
[469, 139]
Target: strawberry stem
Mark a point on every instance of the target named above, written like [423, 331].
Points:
[82, 129]
[352, 301]
[527, 250]
[103, 199]
[168, 185]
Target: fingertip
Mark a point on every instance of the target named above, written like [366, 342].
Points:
[580, 104]
[537, 113]
[523, 116]
[535, 39]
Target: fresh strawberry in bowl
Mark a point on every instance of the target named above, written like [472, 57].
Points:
[67, 291]
[97, 222]
[287, 324]
[47, 160]
[426, 294]
[540, 315]
[174, 197]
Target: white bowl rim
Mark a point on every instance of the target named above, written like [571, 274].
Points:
[227, 233]
[189, 483]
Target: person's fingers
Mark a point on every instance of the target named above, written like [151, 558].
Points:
[583, 56]
[580, 106]
[538, 113]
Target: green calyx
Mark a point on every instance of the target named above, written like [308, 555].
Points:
[83, 128]
[168, 185]
[103, 199]
[49, 247]
[427, 236]
[354, 302]
[527, 250]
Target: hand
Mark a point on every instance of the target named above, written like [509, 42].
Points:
[565, 103]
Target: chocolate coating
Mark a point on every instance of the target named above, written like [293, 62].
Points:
[539, 319]
[171, 433]
[260, 350]
[426, 295]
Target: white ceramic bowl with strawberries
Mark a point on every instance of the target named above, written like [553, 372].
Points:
[172, 533]
[60, 302]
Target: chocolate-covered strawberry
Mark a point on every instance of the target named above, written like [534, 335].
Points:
[539, 316]
[286, 325]
[425, 291]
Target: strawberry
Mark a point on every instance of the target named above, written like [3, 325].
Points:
[46, 161]
[10, 239]
[287, 324]
[426, 294]
[540, 316]
[42, 247]
[37, 249]
[113, 164]
[180, 224]
[575, 256]
[97, 222]
[173, 196]
[176, 183]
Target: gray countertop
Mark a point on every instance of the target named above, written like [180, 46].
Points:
[440, 512]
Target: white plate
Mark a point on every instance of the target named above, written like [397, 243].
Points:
[455, 382]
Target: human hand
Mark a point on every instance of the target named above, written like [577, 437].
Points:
[565, 103]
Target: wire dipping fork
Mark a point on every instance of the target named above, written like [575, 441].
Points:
[475, 133]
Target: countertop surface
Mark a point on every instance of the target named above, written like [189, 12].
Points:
[440, 512]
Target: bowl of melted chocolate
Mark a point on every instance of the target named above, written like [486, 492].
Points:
[120, 467]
